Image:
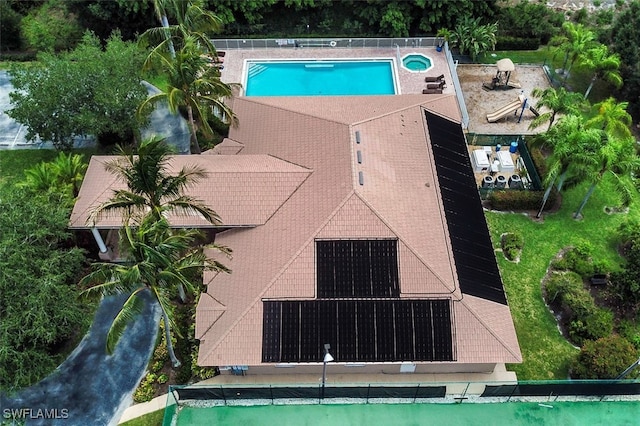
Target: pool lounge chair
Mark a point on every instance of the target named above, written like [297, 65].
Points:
[440, 85]
[430, 79]
[432, 91]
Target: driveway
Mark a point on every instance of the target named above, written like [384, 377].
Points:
[91, 387]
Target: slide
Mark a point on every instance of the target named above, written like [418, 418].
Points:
[501, 112]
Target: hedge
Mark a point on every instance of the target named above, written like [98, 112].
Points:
[516, 43]
[511, 199]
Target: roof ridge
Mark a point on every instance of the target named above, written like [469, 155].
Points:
[217, 318]
[418, 103]
[279, 274]
[255, 99]
[383, 220]
[486, 326]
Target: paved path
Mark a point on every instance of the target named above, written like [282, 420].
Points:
[91, 387]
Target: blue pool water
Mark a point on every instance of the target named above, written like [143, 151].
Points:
[320, 78]
[416, 62]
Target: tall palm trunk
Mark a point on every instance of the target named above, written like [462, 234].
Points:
[545, 197]
[167, 337]
[194, 138]
[165, 24]
[584, 201]
[593, 80]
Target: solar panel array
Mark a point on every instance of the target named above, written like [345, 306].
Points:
[357, 268]
[476, 265]
[358, 330]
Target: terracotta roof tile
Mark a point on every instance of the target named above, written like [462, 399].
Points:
[243, 190]
[399, 198]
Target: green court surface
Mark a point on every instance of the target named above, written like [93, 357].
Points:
[509, 413]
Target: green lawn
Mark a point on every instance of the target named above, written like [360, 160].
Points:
[545, 352]
[152, 419]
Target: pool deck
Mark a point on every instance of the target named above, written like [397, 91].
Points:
[409, 82]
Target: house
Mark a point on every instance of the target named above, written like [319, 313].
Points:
[379, 246]
[354, 222]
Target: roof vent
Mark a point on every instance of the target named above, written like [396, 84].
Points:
[361, 178]
[359, 155]
[357, 136]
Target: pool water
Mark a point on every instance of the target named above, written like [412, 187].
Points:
[416, 62]
[320, 78]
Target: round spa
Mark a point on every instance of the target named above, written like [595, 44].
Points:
[416, 62]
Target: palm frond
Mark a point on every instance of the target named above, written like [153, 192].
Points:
[129, 311]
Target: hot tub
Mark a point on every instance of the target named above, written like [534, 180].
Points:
[416, 62]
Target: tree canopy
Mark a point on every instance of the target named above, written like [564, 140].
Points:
[88, 91]
[39, 308]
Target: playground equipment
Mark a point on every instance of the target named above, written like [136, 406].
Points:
[507, 109]
[502, 79]
[514, 106]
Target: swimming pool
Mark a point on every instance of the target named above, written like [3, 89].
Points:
[320, 77]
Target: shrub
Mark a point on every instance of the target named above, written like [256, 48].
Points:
[510, 199]
[605, 358]
[51, 28]
[593, 326]
[538, 160]
[630, 330]
[561, 283]
[517, 43]
[145, 390]
[578, 260]
[512, 244]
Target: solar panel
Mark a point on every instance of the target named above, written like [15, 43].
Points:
[357, 269]
[475, 261]
[359, 331]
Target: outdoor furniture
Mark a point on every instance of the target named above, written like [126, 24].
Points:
[440, 85]
[430, 79]
[599, 279]
[432, 91]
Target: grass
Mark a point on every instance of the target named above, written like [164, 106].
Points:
[546, 354]
[152, 419]
[14, 162]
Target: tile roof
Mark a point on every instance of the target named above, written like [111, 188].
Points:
[399, 198]
[243, 190]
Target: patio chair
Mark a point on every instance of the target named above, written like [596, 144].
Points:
[430, 79]
[440, 85]
[432, 91]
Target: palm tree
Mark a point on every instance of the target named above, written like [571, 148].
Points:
[191, 19]
[577, 40]
[160, 261]
[569, 141]
[193, 84]
[150, 189]
[612, 117]
[558, 101]
[617, 158]
[470, 35]
[604, 65]
[64, 174]
[70, 169]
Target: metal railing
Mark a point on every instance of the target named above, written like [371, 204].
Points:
[456, 83]
[328, 43]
